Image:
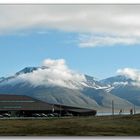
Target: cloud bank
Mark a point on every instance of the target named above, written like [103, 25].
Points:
[99, 41]
[116, 24]
[53, 73]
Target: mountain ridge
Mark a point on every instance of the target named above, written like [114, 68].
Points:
[88, 92]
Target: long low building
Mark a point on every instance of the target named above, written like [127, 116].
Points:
[25, 106]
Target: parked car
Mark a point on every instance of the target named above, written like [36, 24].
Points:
[50, 115]
[6, 115]
[68, 114]
[56, 114]
[36, 115]
[43, 115]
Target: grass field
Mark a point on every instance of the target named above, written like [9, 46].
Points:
[76, 126]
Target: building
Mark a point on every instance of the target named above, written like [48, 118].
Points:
[25, 106]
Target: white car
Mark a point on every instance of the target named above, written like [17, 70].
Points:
[43, 115]
[36, 115]
[50, 115]
[6, 115]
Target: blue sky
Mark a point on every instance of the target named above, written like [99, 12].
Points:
[97, 53]
[18, 51]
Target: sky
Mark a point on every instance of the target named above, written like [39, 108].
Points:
[97, 40]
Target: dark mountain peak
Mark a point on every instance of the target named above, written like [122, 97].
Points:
[90, 78]
[27, 70]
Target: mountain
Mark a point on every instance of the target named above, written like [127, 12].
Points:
[117, 80]
[76, 90]
[51, 93]
[124, 87]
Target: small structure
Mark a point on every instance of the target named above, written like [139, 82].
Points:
[131, 111]
[120, 112]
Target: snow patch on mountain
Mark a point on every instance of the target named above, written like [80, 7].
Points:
[116, 81]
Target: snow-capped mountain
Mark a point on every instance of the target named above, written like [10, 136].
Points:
[124, 87]
[117, 80]
[65, 87]
[29, 72]
[53, 93]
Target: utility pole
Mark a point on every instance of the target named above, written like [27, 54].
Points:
[134, 110]
[112, 107]
[52, 108]
[60, 110]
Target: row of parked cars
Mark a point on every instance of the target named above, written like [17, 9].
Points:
[50, 115]
[37, 115]
[45, 115]
[32, 115]
[5, 115]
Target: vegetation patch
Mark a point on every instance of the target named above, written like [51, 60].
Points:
[74, 126]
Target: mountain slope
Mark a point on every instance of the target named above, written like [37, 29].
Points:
[128, 92]
[104, 98]
[53, 94]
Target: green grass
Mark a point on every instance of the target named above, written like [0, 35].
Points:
[76, 126]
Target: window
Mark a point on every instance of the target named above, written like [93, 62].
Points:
[8, 101]
[10, 107]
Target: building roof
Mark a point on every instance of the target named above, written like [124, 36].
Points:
[22, 102]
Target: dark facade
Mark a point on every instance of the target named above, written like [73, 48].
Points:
[76, 111]
[21, 105]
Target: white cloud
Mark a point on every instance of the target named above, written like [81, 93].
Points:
[95, 40]
[131, 73]
[120, 24]
[134, 74]
[55, 73]
[59, 64]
